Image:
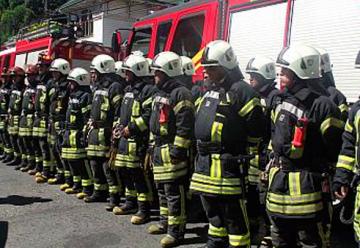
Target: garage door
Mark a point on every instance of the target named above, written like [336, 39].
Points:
[258, 31]
[335, 26]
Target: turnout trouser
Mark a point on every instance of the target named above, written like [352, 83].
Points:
[172, 200]
[97, 165]
[228, 221]
[308, 233]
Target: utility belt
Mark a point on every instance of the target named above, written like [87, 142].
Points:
[287, 165]
[206, 148]
[57, 118]
[100, 124]
[41, 115]
[69, 126]
[162, 140]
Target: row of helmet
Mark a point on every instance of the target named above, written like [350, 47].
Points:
[305, 61]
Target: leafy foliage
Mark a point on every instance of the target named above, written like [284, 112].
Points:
[15, 14]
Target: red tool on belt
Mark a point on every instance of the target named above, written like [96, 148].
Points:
[164, 114]
[300, 132]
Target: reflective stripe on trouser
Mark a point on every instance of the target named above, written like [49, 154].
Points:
[172, 201]
[97, 168]
[296, 232]
[357, 214]
[135, 180]
[112, 179]
[15, 145]
[228, 221]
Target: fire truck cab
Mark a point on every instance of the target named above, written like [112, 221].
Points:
[55, 41]
[256, 27]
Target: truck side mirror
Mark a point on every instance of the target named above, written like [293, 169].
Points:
[116, 42]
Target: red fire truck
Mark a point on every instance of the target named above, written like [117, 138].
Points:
[56, 40]
[257, 27]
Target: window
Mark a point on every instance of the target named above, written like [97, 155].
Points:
[162, 36]
[188, 36]
[87, 23]
[141, 41]
[7, 61]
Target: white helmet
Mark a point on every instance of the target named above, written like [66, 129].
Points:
[169, 63]
[151, 72]
[119, 69]
[137, 65]
[80, 76]
[60, 65]
[263, 66]
[326, 65]
[188, 66]
[357, 61]
[219, 53]
[303, 60]
[103, 64]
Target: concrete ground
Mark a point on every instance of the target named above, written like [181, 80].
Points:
[41, 216]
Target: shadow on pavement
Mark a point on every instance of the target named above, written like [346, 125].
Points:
[18, 200]
[201, 233]
[4, 228]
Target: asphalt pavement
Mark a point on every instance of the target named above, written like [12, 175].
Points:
[41, 216]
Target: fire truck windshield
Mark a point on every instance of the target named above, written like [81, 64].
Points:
[141, 41]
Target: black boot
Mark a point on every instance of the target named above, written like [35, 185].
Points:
[86, 192]
[143, 214]
[15, 161]
[8, 158]
[30, 165]
[58, 179]
[129, 207]
[113, 202]
[75, 189]
[23, 164]
[38, 168]
[97, 196]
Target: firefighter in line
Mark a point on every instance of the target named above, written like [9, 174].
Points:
[59, 99]
[262, 78]
[188, 72]
[44, 161]
[17, 75]
[133, 140]
[171, 123]
[306, 138]
[229, 120]
[328, 81]
[27, 119]
[5, 92]
[347, 173]
[73, 146]
[3, 78]
[105, 105]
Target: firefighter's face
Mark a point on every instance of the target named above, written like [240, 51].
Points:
[159, 77]
[129, 76]
[286, 78]
[93, 77]
[213, 74]
[31, 78]
[43, 69]
[255, 80]
[16, 79]
[56, 75]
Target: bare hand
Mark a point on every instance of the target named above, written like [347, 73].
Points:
[342, 192]
[126, 132]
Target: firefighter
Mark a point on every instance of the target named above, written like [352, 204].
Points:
[27, 120]
[306, 138]
[189, 71]
[328, 82]
[73, 146]
[105, 105]
[59, 99]
[347, 175]
[5, 91]
[229, 121]
[17, 75]
[44, 161]
[171, 123]
[262, 78]
[133, 140]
